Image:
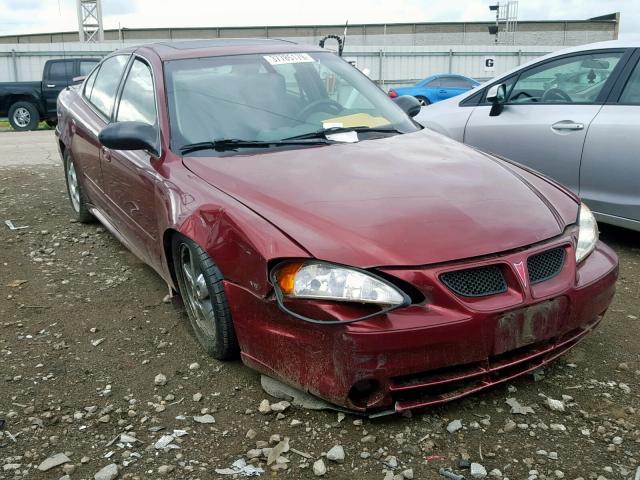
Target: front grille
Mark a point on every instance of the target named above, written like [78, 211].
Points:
[545, 265]
[475, 282]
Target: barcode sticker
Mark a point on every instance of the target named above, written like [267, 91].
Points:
[284, 58]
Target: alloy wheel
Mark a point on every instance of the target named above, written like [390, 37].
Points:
[196, 294]
[22, 117]
[74, 189]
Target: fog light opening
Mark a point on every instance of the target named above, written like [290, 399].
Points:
[365, 393]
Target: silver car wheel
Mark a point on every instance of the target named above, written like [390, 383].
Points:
[74, 190]
[22, 117]
[197, 295]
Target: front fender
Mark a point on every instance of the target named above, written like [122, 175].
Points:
[238, 240]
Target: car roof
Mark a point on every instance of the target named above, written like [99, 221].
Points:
[223, 46]
[600, 45]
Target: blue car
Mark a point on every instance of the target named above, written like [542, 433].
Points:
[436, 87]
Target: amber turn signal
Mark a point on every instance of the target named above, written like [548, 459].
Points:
[286, 277]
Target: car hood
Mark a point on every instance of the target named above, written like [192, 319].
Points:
[411, 199]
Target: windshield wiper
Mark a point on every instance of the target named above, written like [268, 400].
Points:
[235, 143]
[322, 133]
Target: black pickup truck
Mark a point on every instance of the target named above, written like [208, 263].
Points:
[28, 103]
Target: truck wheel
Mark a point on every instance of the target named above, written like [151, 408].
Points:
[76, 195]
[24, 116]
[202, 292]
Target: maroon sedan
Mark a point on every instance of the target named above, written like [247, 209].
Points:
[313, 228]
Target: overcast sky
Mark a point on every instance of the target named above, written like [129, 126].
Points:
[33, 16]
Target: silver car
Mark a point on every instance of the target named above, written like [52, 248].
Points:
[573, 115]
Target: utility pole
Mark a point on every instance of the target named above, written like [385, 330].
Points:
[90, 21]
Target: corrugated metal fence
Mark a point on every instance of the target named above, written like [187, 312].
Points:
[389, 66]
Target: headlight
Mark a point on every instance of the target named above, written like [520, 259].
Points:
[587, 234]
[324, 281]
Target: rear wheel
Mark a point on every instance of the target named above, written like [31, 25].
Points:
[202, 290]
[24, 116]
[424, 101]
[76, 194]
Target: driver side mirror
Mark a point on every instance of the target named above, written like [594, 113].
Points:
[497, 96]
[130, 136]
[410, 105]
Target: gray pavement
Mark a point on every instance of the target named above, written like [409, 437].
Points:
[28, 148]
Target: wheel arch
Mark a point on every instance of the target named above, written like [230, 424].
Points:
[23, 97]
[167, 242]
[429, 96]
[240, 243]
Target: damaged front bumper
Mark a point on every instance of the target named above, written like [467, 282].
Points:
[441, 349]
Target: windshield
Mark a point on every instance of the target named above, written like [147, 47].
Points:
[273, 97]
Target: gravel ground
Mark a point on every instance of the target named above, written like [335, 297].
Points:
[96, 373]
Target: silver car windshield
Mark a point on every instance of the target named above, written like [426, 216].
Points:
[270, 97]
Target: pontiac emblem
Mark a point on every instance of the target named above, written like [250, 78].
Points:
[522, 272]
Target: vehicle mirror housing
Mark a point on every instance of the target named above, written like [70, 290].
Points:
[497, 96]
[130, 136]
[411, 105]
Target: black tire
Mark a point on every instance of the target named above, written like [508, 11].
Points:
[210, 318]
[24, 116]
[78, 200]
[424, 101]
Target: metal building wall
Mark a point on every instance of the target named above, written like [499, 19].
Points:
[388, 65]
[550, 33]
[24, 62]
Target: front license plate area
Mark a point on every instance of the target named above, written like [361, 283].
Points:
[532, 324]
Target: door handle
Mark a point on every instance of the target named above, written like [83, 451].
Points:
[567, 125]
[442, 91]
[105, 154]
[51, 85]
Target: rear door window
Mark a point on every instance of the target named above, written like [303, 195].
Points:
[105, 85]
[86, 67]
[631, 92]
[61, 71]
[454, 82]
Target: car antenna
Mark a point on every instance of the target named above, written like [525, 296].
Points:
[344, 36]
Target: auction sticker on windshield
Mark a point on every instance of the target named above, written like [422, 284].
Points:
[284, 58]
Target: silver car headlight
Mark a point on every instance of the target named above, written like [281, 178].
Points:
[587, 234]
[326, 281]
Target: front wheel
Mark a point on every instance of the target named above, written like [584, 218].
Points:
[24, 116]
[202, 290]
[424, 101]
[74, 189]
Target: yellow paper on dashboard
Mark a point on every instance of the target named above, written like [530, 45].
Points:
[356, 120]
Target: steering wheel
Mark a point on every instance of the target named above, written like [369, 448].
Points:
[522, 93]
[555, 94]
[319, 106]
